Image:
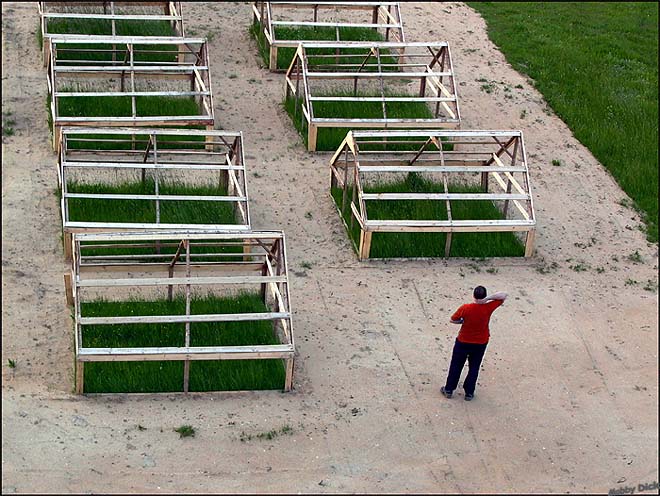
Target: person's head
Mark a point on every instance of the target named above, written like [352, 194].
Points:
[479, 293]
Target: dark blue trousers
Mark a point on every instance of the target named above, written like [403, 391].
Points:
[473, 353]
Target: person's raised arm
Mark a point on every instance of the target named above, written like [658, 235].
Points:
[501, 295]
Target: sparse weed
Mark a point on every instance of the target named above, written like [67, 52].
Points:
[185, 431]
[635, 257]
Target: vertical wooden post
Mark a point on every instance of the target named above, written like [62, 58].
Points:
[365, 244]
[80, 377]
[312, 133]
[209, 139]
[68, 246]
[288, 380]
[529, 243]
[272, 64]
[264, 272]
[68, 289]
[247, 251]
[448, 244]
[57, 137]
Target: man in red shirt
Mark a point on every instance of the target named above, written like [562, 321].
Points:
[472, 340]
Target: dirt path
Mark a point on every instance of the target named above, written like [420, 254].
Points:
[568, 394]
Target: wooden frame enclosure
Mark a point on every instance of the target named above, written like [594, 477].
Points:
[106, 154]
[130, 74]
[499, 155]
[383, 17]
[111, 11]
[417, 68]
[194, 267]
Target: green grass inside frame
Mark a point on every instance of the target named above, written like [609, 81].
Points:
[123, 27]
[421, 244]
[144, 211]
[120, 106]
[167, 376]
[329, 138]
[306, 33]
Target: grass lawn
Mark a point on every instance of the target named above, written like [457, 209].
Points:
[144, 211]
[596, 64]
[167, 376]
[329, 138]
[416, 244]
[323, 33]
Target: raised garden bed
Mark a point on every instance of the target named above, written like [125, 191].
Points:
[459, 194]
[130, 179]
[195, 311]
[108, 18]
[369, 84]
[279, 27]
[136, 81]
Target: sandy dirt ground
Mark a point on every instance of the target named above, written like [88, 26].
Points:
[567, 399]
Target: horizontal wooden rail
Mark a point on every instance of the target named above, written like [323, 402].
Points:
[443, 196]
[434, 168]
[130, 68]
[118, 17]
[102, 196]
[59, 94]
[160, 166]
[169, 281]
[185, 353]
[175, 319]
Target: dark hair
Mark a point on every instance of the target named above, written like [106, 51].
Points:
[479, 293]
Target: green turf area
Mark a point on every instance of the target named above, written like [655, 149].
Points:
[104, 27]
[323, 33]
[144, 211]
[120, 106]
[165, 376]
[398, 245]
[596, 64]
[329, 138]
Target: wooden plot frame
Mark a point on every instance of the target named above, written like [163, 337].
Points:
[263, 265]
[170, 11]
[164, 150]
[191, 69]
[429, 64]
[385, 18]
[492, 154]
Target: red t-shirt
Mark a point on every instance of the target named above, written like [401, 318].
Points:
[475, 321]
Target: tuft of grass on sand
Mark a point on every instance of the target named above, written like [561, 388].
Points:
[596, 64]
[416, 244]
[167, 376]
